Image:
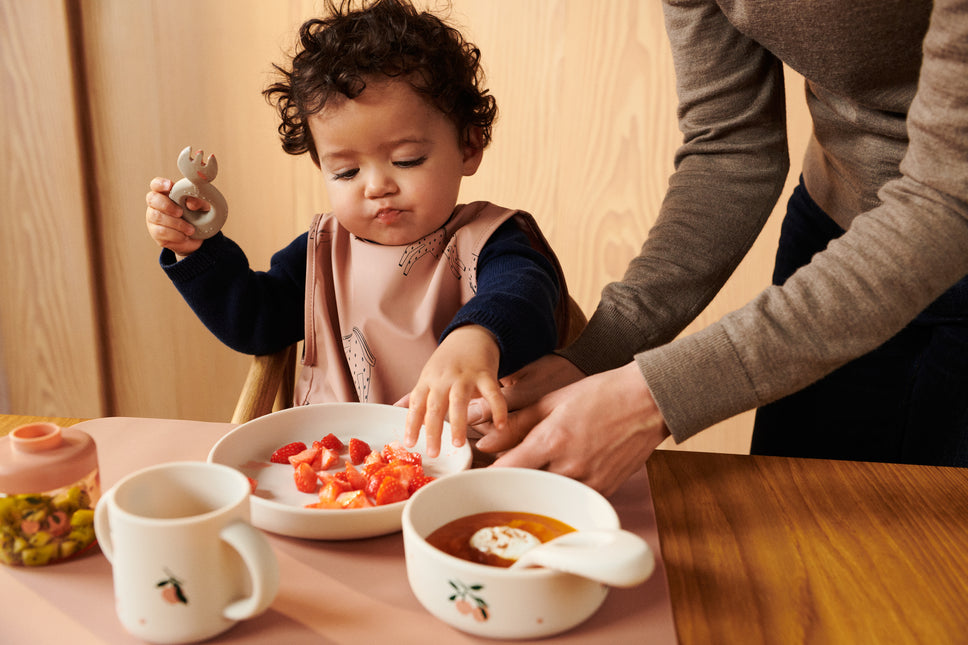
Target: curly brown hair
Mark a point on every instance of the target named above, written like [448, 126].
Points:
[385, 38]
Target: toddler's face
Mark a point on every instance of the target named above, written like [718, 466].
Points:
[391, 161]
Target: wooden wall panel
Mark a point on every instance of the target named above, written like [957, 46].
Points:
[49, 357]
[165, 75]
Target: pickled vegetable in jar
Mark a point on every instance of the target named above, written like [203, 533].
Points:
[49, 485]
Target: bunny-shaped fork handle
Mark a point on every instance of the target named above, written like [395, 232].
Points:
[199, 173]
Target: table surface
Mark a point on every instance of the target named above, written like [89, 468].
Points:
[778, 550]
[775, 550]
[352, 591]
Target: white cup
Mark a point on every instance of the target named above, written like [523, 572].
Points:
[187, 564]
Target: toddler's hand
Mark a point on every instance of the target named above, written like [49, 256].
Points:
[164, 219]
[462, 367]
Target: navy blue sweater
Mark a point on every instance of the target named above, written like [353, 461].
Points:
[260, 312]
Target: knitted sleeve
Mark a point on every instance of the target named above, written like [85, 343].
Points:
[729, 172]
[517, 290]
[253, 312]
[891, 263]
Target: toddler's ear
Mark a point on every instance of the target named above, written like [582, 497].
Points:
[473, 148]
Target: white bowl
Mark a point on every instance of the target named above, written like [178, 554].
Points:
[276, 504]
[502, 603]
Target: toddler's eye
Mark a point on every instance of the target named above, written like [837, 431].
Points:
[346, 174]
[410, 163]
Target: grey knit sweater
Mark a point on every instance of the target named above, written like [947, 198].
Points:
[888, 160]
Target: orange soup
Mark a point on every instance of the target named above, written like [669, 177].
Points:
[455, 537]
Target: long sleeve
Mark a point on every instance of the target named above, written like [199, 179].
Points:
[728, 175]
[892, 262]
[517, 289]
[253, 312]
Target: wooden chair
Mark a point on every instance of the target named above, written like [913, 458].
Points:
[271, 380]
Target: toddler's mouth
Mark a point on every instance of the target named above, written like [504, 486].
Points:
[388, 215]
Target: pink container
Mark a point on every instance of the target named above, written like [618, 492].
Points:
[49, 485]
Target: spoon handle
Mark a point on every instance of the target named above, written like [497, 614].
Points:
[617, 558]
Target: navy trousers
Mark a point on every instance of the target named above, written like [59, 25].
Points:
[905, 402]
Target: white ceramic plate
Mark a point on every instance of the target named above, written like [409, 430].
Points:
[278, 507]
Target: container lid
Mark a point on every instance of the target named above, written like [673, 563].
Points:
[40, 457]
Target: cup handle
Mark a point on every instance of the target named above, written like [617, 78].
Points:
[102, 526]
[263, 567]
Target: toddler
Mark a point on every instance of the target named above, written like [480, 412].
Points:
[400, 293]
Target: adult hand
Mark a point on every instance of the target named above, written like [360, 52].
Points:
[599, 430]
[527, 385]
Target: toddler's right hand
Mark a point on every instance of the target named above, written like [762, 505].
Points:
[165, 222]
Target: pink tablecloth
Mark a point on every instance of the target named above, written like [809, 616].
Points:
[331, 592]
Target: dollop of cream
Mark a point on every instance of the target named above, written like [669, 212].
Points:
[504, 541]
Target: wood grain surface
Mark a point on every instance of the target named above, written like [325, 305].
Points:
[775, 550]
[10, 422]
[50, 357]
[584, 141]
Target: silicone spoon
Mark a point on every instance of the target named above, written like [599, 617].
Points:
[199, 173]
[617, 558]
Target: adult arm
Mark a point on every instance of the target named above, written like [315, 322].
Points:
[729, 172]
[892, 262]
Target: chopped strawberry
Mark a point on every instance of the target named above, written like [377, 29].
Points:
[330, 491]
[327, 459]
[374, 479]
[390, 492]
[393, 451]
[418, 482]
[374, 458]
[370, 469]
[308, 456]
[353, 499]
[359, 450]
[253, 483]
[282, 455]
[332, 442]
[403, 473]
[356, 479]
[305, 477]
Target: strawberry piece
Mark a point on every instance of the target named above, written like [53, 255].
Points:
[253, 483]
[418, 482]
[393, 451]
[374, 479]
[403, 473]
[305, 477]
[372, 468]
[359, 450]
[356, 479]
[282, 455]
[390, 492]
[332, 442]
[308, 456]
[329, 492]
[375, 458]
[353, 499]
[327, 459]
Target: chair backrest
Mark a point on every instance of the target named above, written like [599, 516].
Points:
[271, 380]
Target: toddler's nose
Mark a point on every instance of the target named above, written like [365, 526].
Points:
[379, 184]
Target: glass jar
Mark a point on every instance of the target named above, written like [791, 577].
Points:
[49, 485]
